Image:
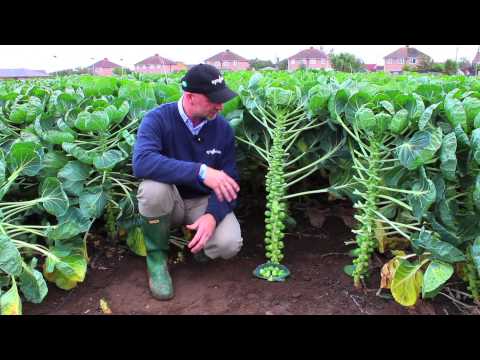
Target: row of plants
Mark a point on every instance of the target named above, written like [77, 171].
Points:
[404, 150]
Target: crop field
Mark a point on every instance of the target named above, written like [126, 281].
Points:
[360, 195]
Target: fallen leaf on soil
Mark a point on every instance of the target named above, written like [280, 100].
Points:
[104, 307]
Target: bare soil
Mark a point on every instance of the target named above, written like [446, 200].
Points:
[318, 285]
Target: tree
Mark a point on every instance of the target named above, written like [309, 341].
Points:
[465, 65]
[258, 64]
[282, 65]
[425, 63]
[346, 62]
[121, 71]
[450, 67]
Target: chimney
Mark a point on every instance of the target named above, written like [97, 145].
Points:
[156, 55]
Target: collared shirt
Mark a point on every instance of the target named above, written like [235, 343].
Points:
[193, 129]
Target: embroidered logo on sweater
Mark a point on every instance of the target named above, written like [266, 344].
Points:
[213, 151]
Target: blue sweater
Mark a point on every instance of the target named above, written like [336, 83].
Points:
[166, 151]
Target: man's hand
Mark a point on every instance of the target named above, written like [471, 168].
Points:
[205, 226]
[223, 185]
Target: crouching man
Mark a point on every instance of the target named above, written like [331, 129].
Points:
[185, 156]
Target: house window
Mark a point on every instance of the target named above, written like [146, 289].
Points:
[226, 64]
[402, 61]
[293, 61]
[389, 61]
[313, 61]
[235, 62]
[322, 61]
[413, 60]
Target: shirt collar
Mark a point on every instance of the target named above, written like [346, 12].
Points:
[184, 116]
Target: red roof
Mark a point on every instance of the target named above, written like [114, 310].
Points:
[370, 67]
[476, 59]
[105, 63]
[226, 55]
[311, 53]
[156, 60]
[405, 52]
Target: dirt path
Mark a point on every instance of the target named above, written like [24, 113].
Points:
[317, 285]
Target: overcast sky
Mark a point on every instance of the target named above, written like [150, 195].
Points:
[41, 57]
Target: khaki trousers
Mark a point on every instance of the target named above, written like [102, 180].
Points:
[158, 199]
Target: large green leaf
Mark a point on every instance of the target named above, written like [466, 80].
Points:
[108, 159]
[53, 161]
[427, 116]
[420, 148]
[475, 142]
[26, 156]
[424, 197]
[436, 275]
[355, 102]
[78, 153]
[407, 283]
[440, 250]
[54, 199]
[75, 171]
[74, 222]
[116, 115]
[415, 107]
[337, 103]
[73, 176]
[96, 121]
[10, 258]
[472, 109]
[10, 302]
[399, 121]
[58, 137]
[93, 201]
[455, 112]
[387, 105]
[318, 99]
[27, 112]
[475, 252]
[448, 156]
[33, 285]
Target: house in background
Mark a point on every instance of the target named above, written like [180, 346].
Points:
[228, 60]
[406, 55]
[103, 67]
[20, 74]
[158, 64]
[370, 67]
[476, 60]
[309, 59]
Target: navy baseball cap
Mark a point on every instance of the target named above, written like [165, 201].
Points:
[206, 79]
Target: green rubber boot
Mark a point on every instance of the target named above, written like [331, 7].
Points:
[156, 233]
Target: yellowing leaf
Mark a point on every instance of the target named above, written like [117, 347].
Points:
[136, 242]
[104, 307]
[407, 283]
[10, 302]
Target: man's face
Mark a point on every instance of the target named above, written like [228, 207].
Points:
[202, 107]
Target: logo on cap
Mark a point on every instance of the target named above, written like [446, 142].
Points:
[217, 81]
